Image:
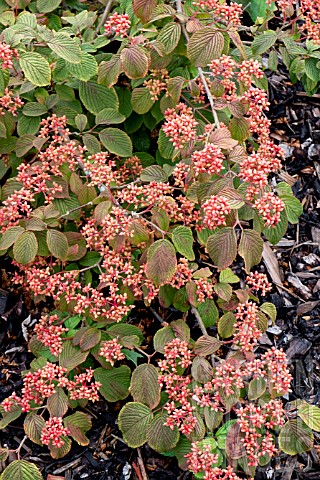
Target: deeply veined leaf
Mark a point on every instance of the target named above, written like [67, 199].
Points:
[33, 425]
[65, 47]
[115, 382]
[71, 356]
[134, 420]
[226, 325]
[134, 61]
[78, 424]
[90, 338]
[10, 236]
[257, 387]
[295, 437]
[162, 337]
[153, 173]
[293, 207]
[116, 141]
[239, 128]
[24, 144]
[57, 244]
[208, 312]
[141, 100]
[263, 42]
[201, 370]
[144, 385]
[170, 36]
[206, 345]
[61, 451]
[109, 71]
[21, 470]
[109, 116]
[250, 248]
[46, 6]
[143, 9]
[85, 69]
[222, 247]
[36, 68]
[227, 276]
[183, 241]
[34, 109]
[205, 45]
[161, 262]
[160, 437]
[96, 97]
[310, 414]
[25, 248]
[270, 310]
[57, 403]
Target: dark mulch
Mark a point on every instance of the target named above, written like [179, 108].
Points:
[296, 126]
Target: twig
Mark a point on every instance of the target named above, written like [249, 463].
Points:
[76, 208]
[199, 320]
[200, 71]
[156, 315]
[141, 465]
[104, 15]
[289, 292]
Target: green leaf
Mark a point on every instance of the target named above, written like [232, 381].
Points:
[65, 47]
[57, 244]
[222, 247]
[166, 147]
[226, 325]
[115, 382]
[274, 234]
[109, 71]
[33, 425]
[293, 207]
[161, 262]
[153, 173]
[223, 290]
[71, 356]
[141, 100]
[270, 310]
[205, 45]
[36, 68]
[263, 42]
[183, 241]
[24, 144]
[34, 109]
[25, 248]
[46, 6]
[134, 61]
[295, 437]
[208, 312]
[62, 451]
[206, 345]
[86, 69]
[125, 330]
[144, 385]
[162, 337]
[10, 236]
[134, 420]
[21, 470]
[116, 141]
[57, 403]
[169, 36]
[8, 417]
[227, 276]
[96, 97]
[312, 69]
[90, 338]
[109, 116]
[250, 248]
[78, 424]
[239, 128]
[310, 414]
[143, 9]
[160, 437]
[201, 370]
[257, 387]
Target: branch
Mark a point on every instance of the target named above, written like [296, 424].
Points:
[201, 74]
[199, 320]
[104, 15]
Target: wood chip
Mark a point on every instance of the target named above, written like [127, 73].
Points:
[271, 264]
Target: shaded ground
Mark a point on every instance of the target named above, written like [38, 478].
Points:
[296, 270]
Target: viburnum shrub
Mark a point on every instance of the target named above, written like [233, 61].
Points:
[137, 166]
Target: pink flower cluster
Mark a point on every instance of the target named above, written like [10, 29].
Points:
[180, 125]
[42, 384]
[179, 407]
[270, 207]
[215, 210]
[50, 334]
[209, 160]
[252, 418]
[54, 431]
[157, 83]
[259, 282]
[7, 54]
[247, 332]
[117, 25]
[201, 459]
[54, 126]
[111, 351]
[10, 103]
[229, 71]
[230, 13]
